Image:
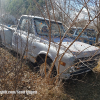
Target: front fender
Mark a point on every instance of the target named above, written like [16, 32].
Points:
[50, 56]
[44, 52]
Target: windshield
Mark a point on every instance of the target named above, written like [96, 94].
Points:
[91, 33]
[42, 28]
[79, 31]
[71, 31]
[87, 32]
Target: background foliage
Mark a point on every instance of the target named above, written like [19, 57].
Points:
[19, 7]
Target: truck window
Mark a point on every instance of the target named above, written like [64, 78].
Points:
[72, 30]
[26, 25]
[91, 33]
[79, 31]
[57, 29]
[42, 28]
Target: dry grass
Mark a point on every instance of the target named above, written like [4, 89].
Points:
[97, 68]
[26, 79]
[86, 87]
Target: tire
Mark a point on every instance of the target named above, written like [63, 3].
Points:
[48, 66]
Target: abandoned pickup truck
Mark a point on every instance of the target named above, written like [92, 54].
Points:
[32, 38]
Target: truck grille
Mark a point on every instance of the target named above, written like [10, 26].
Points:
[84, 64]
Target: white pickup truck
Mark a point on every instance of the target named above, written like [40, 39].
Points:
[32, 36]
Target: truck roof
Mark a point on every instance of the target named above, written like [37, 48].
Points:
[40, 18]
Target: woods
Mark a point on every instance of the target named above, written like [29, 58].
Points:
[19, 7]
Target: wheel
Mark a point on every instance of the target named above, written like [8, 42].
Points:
[48, 66]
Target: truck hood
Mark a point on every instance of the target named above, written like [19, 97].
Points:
[79, 49]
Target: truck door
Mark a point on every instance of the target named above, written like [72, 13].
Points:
[22, 38]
